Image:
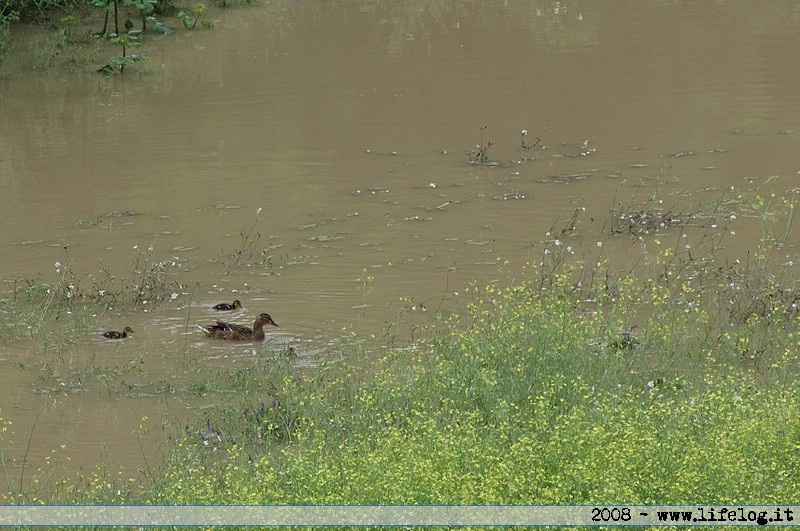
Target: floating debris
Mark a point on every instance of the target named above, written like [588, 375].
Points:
[516, 194]
[584, 150]
[306, 226]
[647, 221]
[569, 177]
[373, 190]
[446, 204]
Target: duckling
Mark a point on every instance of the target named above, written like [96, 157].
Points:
[113, 334]
[234, 332]
[225, 307]
[626, 340]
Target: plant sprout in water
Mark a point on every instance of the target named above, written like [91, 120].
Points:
[525, 146]
[478, 155]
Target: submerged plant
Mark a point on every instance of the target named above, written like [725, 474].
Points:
[526, 146]
[130, 38]
[125, 41]
[479, 154]
[34, 303]
[249, 248]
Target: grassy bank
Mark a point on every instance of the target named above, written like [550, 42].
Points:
[670, 383]
[524, 401]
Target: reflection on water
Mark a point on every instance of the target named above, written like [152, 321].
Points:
[312, 161]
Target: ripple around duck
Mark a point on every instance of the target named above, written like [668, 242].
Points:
[274, 347]
[173, 333]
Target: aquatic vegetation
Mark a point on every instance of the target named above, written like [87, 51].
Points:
[190, 19]
[115, 7]
[126, 60]
[525, 146]
[34, 303]
[249, 252]
[127, 39]
[149, 283]
[479, 155]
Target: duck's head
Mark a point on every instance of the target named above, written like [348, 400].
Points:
[266, 319]
[237, 304]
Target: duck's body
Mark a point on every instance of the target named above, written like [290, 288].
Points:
[225, 307]
[113, 334]
[234, 332]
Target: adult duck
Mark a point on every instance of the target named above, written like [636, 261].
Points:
[225, 307]
[235, 332]
[113, 334]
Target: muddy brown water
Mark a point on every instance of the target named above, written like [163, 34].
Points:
[339, 133]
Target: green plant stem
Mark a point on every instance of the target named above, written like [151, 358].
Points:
[27, 450]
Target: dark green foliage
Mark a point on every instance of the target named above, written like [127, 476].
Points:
[191, 18]
[145, 8]
[6, 18]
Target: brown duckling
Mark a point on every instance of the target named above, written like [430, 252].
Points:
[234, 332]
[626, 340]
[113, 334]
[225, 307]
